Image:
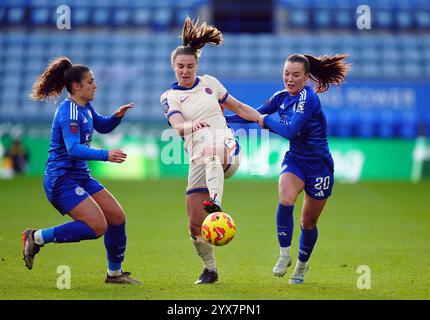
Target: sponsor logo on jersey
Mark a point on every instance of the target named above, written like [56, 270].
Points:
[208, 90]
[183, 99]
[73, 126]
[85, 120]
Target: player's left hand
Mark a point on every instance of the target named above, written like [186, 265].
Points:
[122, 110]
[260, 120]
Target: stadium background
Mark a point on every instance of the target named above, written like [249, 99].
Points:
[379, 120]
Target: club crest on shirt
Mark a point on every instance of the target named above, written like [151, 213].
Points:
[208, 90]
[301, 107]
[73, 127]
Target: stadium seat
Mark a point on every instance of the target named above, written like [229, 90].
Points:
[141, 17]
[298, 18]
[41, 16]
[15, 15]
[162, 18]
[81, 16]
[101, 17]
[423, 19]
[122, 17]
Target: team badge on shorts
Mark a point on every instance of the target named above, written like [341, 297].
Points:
[80, 191]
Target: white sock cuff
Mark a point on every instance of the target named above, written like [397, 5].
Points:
[38, 238]
[285, 251]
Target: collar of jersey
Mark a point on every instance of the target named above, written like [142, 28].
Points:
[175, 86]
[78, 104]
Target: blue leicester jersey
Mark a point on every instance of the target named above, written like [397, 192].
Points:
[71, 135]
[302, 121]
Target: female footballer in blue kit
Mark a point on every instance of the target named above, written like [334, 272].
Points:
[308, 164]
[67, 180]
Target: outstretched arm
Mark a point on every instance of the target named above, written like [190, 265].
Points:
[245, 113]
[288, 130]
[104, 124]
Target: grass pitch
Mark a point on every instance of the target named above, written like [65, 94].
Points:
[384, 226]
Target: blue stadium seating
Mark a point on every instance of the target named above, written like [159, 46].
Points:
[132, 63]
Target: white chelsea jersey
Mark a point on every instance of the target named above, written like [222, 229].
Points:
[201, 102]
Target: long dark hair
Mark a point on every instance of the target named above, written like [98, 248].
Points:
[60, 73]
[324, 70]
[194, 37]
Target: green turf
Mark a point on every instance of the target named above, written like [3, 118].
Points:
[385, 226]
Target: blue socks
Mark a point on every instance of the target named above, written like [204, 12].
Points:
[115, 240]
[308, 238]
[74, 231]
[285, 225]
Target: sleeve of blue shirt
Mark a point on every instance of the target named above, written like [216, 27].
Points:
[104, 124]
[71, 135]
[291, 130]
[268, 108]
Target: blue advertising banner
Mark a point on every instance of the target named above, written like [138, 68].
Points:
[353, 94]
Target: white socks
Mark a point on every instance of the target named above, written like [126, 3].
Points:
[215, 178]
[114, 273]
[38, 238]
[285, 251]
[205, 251]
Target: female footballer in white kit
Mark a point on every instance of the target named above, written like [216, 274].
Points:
[194, 108]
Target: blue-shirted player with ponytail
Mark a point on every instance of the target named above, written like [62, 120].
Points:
[308, 164]
[67, 180]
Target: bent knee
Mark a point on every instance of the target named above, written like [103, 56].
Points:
[100, 228]
[116, 219]
[308, 223]
[287, 200]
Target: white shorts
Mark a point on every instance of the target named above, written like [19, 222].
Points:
[197, 171]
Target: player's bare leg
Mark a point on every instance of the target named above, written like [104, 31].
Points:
[205, 251]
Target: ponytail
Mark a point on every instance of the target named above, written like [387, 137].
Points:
[195, 35]
[60, 73]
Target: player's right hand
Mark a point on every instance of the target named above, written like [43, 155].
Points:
[117, 156]
[200, 125]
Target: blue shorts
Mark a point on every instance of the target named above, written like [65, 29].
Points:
[318, 174]
[65, 193]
